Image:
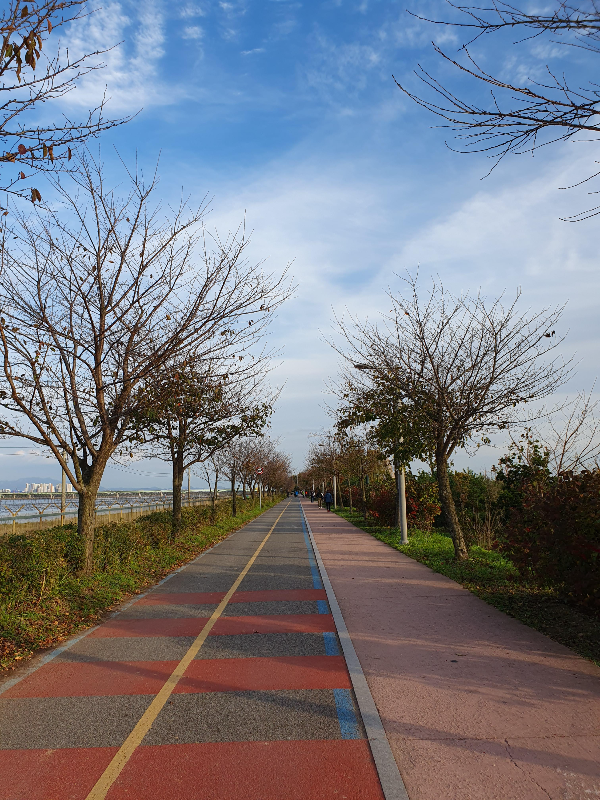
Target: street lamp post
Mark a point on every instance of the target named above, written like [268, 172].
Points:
[400, 480]
[402, 499]
[63, 494]
[334, 477]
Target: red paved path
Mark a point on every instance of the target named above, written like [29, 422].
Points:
[476, 705]
[263, 711]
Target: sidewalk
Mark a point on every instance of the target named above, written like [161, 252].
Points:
[475, 705]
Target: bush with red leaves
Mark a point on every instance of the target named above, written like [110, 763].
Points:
[422, 505]
[555, 536]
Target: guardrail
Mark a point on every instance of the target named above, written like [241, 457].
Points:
[105, 512]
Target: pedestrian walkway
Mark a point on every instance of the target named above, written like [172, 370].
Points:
[476, 706]
[225, 682]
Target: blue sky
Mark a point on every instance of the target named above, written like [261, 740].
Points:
[287, 111]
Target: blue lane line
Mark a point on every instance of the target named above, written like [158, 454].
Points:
[346, 715]
[331, 645]
[311, 559]
[322, 607]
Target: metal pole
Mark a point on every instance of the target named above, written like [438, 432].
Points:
[260, 494]
[403, 522]
[63, 495]
[334, 492]
[189, 470]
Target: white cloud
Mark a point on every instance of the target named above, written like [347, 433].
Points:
[251, 52]
[131, 75]
[191, 10]
[193, 32]
[283, 28]
[336, 70]
[350, 228]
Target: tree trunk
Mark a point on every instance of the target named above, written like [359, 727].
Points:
[244, 489]
[350, 495]
[233, 506]
[177, 483]
[448, 507]
[86, 517]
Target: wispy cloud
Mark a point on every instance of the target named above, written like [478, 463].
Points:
[351, 230]
[336, 70]
[252, 52]
[193, 32]
[192, 10]
[131, 76]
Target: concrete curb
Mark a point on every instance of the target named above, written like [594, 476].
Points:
[387, 769]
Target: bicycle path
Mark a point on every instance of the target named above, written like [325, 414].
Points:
[475, 705]
[224, 682]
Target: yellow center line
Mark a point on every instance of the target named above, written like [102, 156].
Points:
[127, 749]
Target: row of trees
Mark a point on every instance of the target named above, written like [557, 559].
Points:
[246, 463]
[127, 328]
[547, 522]
[442, 372]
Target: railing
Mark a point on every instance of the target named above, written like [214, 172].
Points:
[107, 510]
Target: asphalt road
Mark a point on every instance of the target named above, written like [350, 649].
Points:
[225, 682]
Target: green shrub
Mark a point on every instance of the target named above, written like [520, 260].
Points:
[554, 534]
[43, 598]
[422, 504]
[476, 499]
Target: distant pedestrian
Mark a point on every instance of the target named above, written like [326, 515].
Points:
[319, 497]
[312, 496]
[328, 499]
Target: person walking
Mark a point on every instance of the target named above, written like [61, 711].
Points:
[312, 495]
[328, 499]
[319, 497]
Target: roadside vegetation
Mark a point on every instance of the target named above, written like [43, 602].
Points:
[46, 598]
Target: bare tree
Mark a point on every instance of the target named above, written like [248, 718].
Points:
[572, 436]
[242, 458]
[350, 457]
[227, 462]
[196, 407]
[260, 453]
[276, 470]
[519, 119]
[96, 297]
[29, 79]
[462, 366]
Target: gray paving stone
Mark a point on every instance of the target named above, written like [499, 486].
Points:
[50, 723]
[263, 645]
[167, 610]
[135, 648]
[269, 607]
[246, 716]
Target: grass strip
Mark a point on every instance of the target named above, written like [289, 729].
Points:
[43, 598]
[494, 578]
